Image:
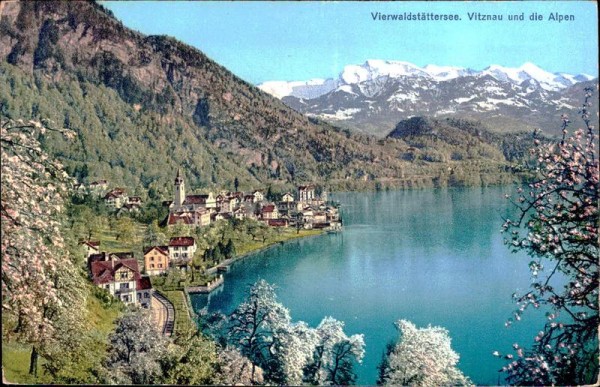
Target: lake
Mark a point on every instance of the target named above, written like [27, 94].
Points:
[429, 256]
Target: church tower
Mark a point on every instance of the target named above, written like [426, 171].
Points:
[179, 190]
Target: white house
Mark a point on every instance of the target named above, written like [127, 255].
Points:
[287, 198]
[182, 249]
[120, 277]
[116, 198]
[306, 193]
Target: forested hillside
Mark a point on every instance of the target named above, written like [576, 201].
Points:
[144, 105]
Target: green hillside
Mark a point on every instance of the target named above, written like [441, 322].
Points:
[145, 105]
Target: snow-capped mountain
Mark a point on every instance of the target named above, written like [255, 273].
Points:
[374, 96]
[372, 69]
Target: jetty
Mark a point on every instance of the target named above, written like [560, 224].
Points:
[209, 287]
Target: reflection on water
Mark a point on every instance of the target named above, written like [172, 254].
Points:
[433, 257]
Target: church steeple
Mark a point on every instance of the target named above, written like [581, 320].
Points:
[178, 178]
[179, 191]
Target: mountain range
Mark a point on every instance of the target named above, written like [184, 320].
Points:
[375, 96]
[143, 106]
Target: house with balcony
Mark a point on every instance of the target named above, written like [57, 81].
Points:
[120, 277]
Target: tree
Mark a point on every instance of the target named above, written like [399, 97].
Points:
[192, 362]
[83, 221]
[236, 184]
[287, 353]
[557, 225]
[179, 229]
[41, 287]
[217, 254]
[125, 229]
[229, 250]
[153, 236]
[294, 345]
[334, 355]
[421, 357]
[253, 323]
[234, 369]
[136, 350]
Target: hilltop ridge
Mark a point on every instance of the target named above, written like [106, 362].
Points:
[144, 105]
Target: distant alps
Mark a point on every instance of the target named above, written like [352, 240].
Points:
[375, 96]
[374, 68]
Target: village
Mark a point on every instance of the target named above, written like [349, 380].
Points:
[119, 273]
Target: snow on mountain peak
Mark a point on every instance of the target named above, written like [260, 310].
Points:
[529, 71]
[376, 68]
[537, 73]
[444, 73]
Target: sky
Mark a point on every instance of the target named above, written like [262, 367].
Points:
[262, 41]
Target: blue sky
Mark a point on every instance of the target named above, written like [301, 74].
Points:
[262, 41]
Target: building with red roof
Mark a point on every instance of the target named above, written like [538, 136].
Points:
[144, 291]
[119, 276]
[182, 250]
[198, 217]
[269, 211]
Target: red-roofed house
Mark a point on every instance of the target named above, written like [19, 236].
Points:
[98, 187]
[104, 256]
[156, 260]
[269, 211]
[128, 208]
[186, 218]
[181, 250]
[144, 291]
[95, 258]
[199, 217]
[238, 195]
[119, 277]
[196, 201]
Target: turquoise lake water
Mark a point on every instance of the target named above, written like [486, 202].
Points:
[432, 257]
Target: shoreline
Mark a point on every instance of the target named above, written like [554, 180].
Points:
[231, 261]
